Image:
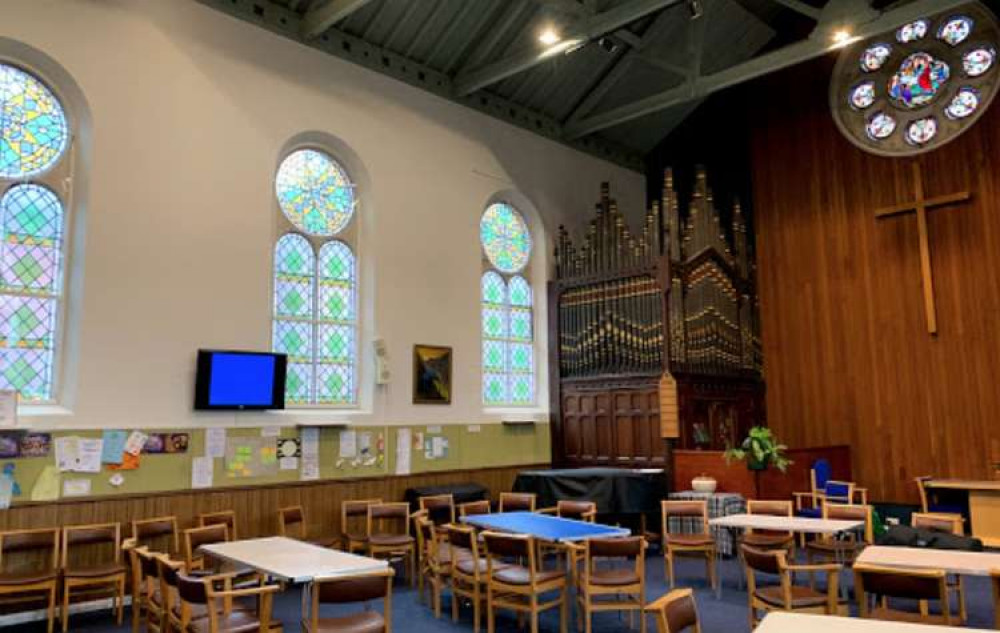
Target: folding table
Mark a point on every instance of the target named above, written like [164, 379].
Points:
[779, 622]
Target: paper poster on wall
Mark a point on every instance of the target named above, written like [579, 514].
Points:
[270, 431]
[251, 457]
[215, 442]
[114, 446]
[129, 462]
[202, 471]
[76, 487]
[10, 445]
[67, 449]
[35, 444]
[404, 441]
[6, 492]
[136, 440]
[158, 443]
[309, 464]
[440, 447]
[8, 408]
[88, 458]
[46, 486]
[348, 444]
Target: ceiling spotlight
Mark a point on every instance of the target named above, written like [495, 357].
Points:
[549, 37]
[694, 6]
[608, 45]
[841, 37]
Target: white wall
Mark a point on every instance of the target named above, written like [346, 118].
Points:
[191, 110]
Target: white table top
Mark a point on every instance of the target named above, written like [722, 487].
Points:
[963, 484]
[778, 622]
[953, 562]
[785, 524]
[292, 560]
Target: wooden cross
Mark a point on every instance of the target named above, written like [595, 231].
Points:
[921, 205]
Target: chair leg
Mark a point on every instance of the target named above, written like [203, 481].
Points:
[64, 612]
[454, 601]
[436, 593]
[136, 609]
[564, 610]
[490, 623]
[670, 566]
[477, 608]
[534, 613]
[52, 608]
[120, 607]
[962, 612]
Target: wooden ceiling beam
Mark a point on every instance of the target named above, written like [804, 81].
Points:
[320, 18]
[801, 8]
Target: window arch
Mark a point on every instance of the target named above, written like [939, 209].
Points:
[315, 280]
[35, 141]
[508, 363]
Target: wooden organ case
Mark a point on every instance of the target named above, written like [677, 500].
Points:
[663, 319]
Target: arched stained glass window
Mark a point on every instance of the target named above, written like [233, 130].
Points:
[315, 281]
[506, 306]
[913, 91]
[34, 137]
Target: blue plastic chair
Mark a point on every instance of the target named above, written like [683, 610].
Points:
[823, 489]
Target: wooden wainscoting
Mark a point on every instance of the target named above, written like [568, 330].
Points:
[256, 506]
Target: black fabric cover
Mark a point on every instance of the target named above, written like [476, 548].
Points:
[906, 536]
[614, 490]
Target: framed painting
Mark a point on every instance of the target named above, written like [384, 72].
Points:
[431, 374]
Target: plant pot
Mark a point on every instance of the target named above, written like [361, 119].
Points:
[703, 483]
[754, 464]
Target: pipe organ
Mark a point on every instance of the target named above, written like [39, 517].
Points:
[663, 318]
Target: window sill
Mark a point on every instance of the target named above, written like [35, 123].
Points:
[41, 410]
[322, 417]
[534, 414]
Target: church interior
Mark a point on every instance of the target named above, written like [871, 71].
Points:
[360, 316]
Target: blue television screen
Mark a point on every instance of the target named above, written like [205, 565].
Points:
[240, 380]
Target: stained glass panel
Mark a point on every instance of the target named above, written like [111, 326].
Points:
[956, 30]
[964, 104]
[494, 322]
[293, 338]
[33, 128]
[863, 95]
[27, 337]
[921, 131]
[494, 388]
[875, 57]
[337, 287]
[298, 383]
[520, 324]
[336, 344]
[976, 62]
[293, 277]
[880, 126]
[919, 79]
[912, 32]
[520, 292]
[522, 389]
[505, 238]
[32, 223]
[334, 384]
[314, 192]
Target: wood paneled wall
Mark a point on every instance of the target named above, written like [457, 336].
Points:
[256, 506]
[848, 359]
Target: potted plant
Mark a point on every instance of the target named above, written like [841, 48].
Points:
[760, 449]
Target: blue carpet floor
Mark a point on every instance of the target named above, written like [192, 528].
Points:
[725, 615]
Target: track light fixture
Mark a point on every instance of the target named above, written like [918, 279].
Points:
[694, 6]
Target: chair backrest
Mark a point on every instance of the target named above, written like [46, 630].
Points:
[517, 502]
[507, 546]
[462, 541]
[292, 522]
[354, 511]
[630, 548]
[914, 584]
[96, 534]
[675, 612]
[579, 510]
[427, 539]
[820, 473]
[440, 508]
[225, 517]
[950, 523]
[846, 512]
[381, 514]
[38, 547]
[922, 491]
[474, 507]
[148, 531]
[770, 561]
[351, 590]
[770, 508]
[697, 510]
[839, 491]
[191, 589]
[196, 537]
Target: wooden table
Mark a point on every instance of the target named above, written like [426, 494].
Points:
[984, 506]
[778, 622]
[291, 560]
[951, 561]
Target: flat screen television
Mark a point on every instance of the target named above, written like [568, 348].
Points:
[236, 380]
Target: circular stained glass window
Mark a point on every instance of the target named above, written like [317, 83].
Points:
[314, 192]
[505, 238]
[964, 104]
[863, 95]
[916, 88]
[875, 57]
[978, 61]
[912, 32]
[955, 30]
[34, 132]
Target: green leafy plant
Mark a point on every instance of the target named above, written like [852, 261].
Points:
[760, 449]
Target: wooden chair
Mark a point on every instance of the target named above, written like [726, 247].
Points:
[468, 573]
[440, 508]
[769, 539]
[699, 544]
[995, 577]
[352, 535]
[151, 532]
[929, 505]
[435, 561]
[146, 600]
[823, 489]
[292, 523]
[891, 582]
[167, 571]
[675, 612]
[474, 507]
[785, 595]
[351, 590]
[383, 543]
[517, 502]
[577, 510]
[830, 549]
[202, 594]
[225, 517]
[29, 568]
[520, 587]
[194, 538]
[624, 585]
[950, 524]
[101, 574]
